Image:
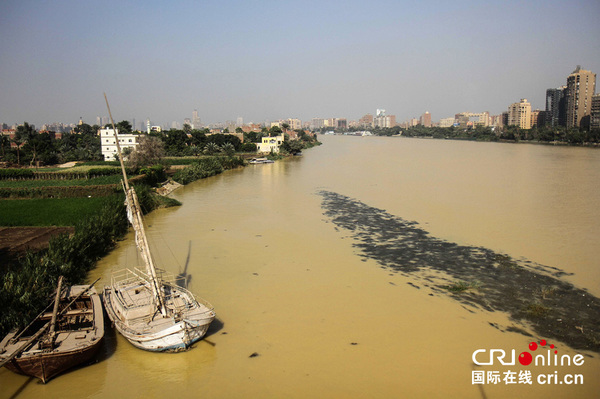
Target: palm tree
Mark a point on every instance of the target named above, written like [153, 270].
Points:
[211, 148]
[228, 149]
[4, 141]
[18, 141]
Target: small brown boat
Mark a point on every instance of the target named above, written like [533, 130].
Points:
[55, 341]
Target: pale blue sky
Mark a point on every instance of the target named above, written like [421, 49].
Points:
[285, 59]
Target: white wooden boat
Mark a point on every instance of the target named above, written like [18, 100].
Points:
[260, 160]
[132, 307]
[148, 309]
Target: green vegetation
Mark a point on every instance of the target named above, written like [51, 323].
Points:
[536, 310]
[149, 200]
[43, 148]
[94, 181]
[27, 285]
[206, 167]
[302, 142]
[460, 286]
[48, 212]
[62, 174]
[542, 134]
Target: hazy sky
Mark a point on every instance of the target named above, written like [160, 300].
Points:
[269, 60]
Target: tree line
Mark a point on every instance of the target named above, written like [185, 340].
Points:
[83, 144]
[548, 134]
[32, 147]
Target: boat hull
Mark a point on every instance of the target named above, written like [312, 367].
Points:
[72, 346]
[145, 328]
[180, 337]
[48, 365]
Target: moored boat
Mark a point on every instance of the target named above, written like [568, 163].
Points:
[147, 308]
[57, 341]
[260, 160]
[131, 306]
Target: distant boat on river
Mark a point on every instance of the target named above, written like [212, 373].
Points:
[260, 160]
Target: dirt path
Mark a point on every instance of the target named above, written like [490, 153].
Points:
[16, 240]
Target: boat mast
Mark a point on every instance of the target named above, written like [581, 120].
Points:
[137, 222]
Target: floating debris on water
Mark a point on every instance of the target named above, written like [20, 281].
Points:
[533, 295]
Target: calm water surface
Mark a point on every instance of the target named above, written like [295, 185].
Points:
[291, 287]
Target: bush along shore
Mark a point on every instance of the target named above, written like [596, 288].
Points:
[206, 167]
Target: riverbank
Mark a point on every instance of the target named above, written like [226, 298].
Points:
[535, 142]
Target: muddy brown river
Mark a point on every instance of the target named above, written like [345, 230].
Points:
[374, 267]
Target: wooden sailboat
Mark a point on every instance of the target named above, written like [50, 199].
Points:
[148, 309]
[56, 341]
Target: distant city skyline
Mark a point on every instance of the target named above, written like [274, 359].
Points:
[277, 60]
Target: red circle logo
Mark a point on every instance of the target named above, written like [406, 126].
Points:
[525, 358]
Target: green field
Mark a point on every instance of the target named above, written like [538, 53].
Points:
[48, 212]
[94, 181]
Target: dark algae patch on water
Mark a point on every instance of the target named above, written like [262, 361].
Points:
[534, 296]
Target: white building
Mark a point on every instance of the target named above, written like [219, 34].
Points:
[270, 144]
[447, 122]
[109, 145]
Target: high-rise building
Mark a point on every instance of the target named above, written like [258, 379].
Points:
[425, 119]
[366, 121]
[519, 114]
[317, 123]
[595, 115]
[581, 86]
[196, 123]
[556, 107]
[341, 123]
[538, 118]
[496, 120]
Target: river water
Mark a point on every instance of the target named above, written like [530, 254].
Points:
[327, 272]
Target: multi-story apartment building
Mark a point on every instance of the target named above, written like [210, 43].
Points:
[595, 114]
[519, 114]
[447, 122]
[556, 107]
[472, 119]
[496, 120]
[383, 120]
[317, 123]
[581, 86]
[425, 119]
[538, 118]
[366, 121]
[341, 123]
[196, 122]
[109, 144]
[294, 123]
[270, 144]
